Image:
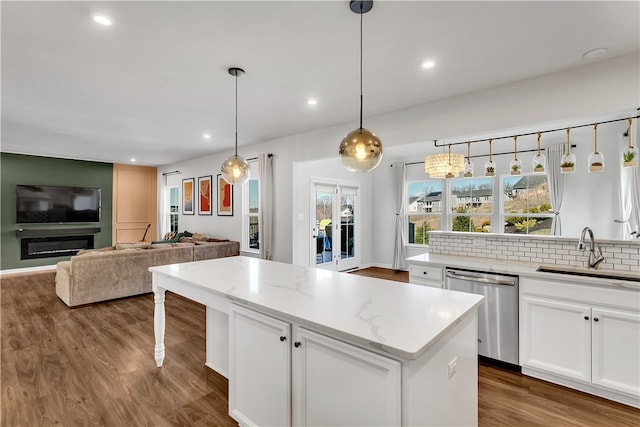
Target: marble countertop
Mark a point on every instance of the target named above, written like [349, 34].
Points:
[397, 318]
[519, 268]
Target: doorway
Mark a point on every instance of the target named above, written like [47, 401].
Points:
[335, 224]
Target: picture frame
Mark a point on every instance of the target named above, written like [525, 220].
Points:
[205, 205]
[224, 203]
[187, 196]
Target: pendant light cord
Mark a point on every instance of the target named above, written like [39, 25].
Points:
[361, 13]
[236, 75]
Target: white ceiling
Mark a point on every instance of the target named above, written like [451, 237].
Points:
[151, 84]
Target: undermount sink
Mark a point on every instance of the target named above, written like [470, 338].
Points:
[577, 271]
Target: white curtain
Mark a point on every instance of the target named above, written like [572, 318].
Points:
[399, 252]
[265, 222]
[629, 198]
[556, 184]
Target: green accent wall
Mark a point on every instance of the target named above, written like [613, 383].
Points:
[23, 169]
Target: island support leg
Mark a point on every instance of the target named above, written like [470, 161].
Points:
[158, 324]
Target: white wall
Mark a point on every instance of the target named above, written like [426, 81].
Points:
[594, 90]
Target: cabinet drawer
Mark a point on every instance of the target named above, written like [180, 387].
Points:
[423, 272]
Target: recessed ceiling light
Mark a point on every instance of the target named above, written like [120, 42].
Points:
[312, 101]
[594, 53]
[102, 20]
[428, 64]
[206, 135]
[132, 160]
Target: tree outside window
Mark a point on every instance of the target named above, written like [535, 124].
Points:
[423, 210]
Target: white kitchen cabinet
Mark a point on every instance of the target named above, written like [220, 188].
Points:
[332, 383]
[584, 337]
[337, 384]
[616, 349]
[556, 337]
[259, 369]
[425, 275]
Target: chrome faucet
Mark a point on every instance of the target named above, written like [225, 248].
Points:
[594, 259]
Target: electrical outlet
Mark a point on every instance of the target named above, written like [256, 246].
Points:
[453, 367]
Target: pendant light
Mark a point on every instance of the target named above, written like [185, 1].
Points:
[468, 167]
[490, 166]
[568, 161]
[539, 163]
[596, 159]
[630, 154]
[360, 150]
[235, 169]
[515, 165]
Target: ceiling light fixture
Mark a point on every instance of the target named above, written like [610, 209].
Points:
[312, 101]
[594, 53]
[360, 150]
[444, 165]
[132, 160]
[428, 64]
[206, 135]
[235, 169]
[102, 20]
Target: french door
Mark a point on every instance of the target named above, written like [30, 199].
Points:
[335, 225]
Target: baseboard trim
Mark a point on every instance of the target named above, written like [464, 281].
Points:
[40, 268]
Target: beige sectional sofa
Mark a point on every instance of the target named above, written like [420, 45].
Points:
[123, 270]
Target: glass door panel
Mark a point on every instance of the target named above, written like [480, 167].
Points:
[323, 224]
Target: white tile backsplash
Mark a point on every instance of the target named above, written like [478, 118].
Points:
[619, 255]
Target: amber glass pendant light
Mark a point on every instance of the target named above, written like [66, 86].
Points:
[490, 166]
[568, 162]
[235, 169]
[596, 159]
[539, 163]
[468, 167]
[515, 165]
[630, 153]
[360, 150]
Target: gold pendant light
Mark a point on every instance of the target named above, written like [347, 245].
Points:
[630, 154]
[360, 150]
[235, 169]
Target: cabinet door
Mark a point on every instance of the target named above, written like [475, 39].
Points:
[259, 369]
[337, 384]
[616, 349]
[556, 337]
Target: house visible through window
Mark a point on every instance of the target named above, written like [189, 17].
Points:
[173, 209]
[424, 210]
[527, 207]
[251, 206]
[471, 204]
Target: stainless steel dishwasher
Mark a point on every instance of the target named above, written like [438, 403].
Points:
[497, 316]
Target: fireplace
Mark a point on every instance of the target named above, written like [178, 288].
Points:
[55, 246]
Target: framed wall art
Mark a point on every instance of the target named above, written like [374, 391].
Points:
[225, 197]
[205, 207]
[187, 196]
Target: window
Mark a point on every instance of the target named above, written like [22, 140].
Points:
[527, 207]
[424, 209]
[471, 204]
[251, 207]
[172, 208]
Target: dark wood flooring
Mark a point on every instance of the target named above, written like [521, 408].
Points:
[93, 365]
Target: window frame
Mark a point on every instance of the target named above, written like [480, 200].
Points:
[408, 215]
[528, 215]
[246, 214]
[451, 214]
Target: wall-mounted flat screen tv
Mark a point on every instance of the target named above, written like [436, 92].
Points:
[49, 204]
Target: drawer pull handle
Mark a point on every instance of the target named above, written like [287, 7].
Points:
[586, 317]
[283, 338]
[297, 344]
[424, 272]
[595, 319]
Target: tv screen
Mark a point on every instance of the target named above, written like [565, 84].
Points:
[48, 204]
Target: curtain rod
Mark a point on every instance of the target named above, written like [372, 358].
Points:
[256, 158]
[487, 155]
[170, 173]
[435, 141]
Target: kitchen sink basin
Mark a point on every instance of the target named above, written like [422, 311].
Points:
[577, 271]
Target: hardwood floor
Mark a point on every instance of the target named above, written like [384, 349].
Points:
[93, 365]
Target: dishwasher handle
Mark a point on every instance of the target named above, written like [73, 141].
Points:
[480, 277]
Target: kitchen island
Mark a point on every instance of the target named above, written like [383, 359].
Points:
[305, 346]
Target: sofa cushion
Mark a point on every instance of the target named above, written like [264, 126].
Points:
[137, 245]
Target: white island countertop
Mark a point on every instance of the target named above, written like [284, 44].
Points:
[397, 318]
